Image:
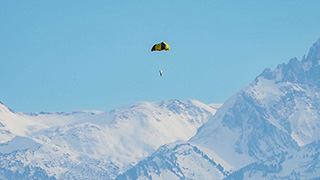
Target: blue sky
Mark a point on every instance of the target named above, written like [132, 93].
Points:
[73, 55]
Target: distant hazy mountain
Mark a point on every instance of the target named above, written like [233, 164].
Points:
[92, 144]
[269, 130]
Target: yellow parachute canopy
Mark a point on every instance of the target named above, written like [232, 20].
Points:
[161, 47]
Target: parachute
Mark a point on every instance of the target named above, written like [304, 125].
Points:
[161, 47]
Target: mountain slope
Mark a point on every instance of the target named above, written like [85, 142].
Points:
[303, 164]
[12, 124]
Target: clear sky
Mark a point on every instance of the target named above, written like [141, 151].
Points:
[71, 55]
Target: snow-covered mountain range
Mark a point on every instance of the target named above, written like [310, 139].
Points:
[268, 130]
[93, 144]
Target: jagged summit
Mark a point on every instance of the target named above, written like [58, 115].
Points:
[314, 53]
[305, 72]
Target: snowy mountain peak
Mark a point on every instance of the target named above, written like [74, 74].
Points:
[4, 108]
[278, 112]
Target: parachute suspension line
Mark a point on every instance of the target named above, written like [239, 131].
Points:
[159, 64]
